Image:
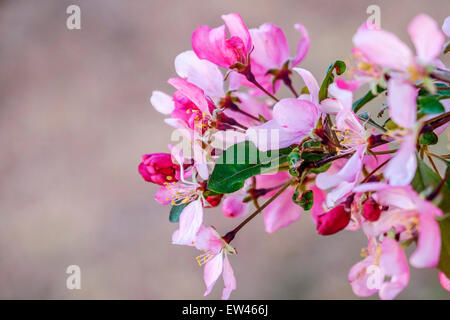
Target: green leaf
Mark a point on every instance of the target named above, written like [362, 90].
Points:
[321, 169]
[294, 161]
[175, 212]
[340, 67]
[240, 162]
[306, 201]
[426, 179]
[312, 156]
[369, 96]
[429, 105]
[390, 125]
[428, 138]
[444, 260]
[443, 91]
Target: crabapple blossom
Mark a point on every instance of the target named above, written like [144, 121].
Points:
[311, 153]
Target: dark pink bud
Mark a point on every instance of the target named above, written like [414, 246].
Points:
[371, 210]
[158, 168]
[333, 221]
[214, 200]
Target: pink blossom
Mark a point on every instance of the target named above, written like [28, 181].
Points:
[271, 47]
[385, 49]
[341, 177]
[410, 216]
[191, 219]
[159, 168]
[202, 73]
[215, 260]
[271, 53]
[381, 259]
[293, 120]
[214, 45]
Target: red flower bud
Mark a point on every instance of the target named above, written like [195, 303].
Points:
[371, 210]
[158, 168]
[333, 221]
[214, 200]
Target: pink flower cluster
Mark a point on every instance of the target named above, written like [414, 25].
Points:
[345, 168]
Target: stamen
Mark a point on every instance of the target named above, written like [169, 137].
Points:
[204, 258]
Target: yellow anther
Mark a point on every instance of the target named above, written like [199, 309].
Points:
[204, 258]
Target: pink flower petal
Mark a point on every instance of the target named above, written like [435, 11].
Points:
[228, 279]
[191, 219]
[162, 102]
[331, 106]
[272, 136]
[394, 263]
[428, 248]
[271, 49]
[303, 45]
[359, 278]
[212, 272]
[402, 167]
[446, 26]
[344, 95]
[202, 73]
[237, 28]
[350, 85]
[281, 212]
[311, 84]
[383, 48]
[297, 116]
[348, 173]
[208, 240]
[192, 92]
[267, 181]
[445, 282]
[427, 38]
[402, 102]
[210, 44]
[163, 195]
[319, 200]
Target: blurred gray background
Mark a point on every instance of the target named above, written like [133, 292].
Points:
[75, 118]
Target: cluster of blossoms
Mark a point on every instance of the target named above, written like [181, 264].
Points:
[243, 148]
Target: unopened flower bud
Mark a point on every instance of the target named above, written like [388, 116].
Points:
[234, 207]
[158, 168]
[214, 200]
[333, 221]
[371, 210]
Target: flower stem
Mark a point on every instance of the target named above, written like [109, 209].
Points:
[250, 77]
[435, 193]
[440, 74]
[436, 122]
[289, 85]
[374, 171]
[230, 235]
[384, 152]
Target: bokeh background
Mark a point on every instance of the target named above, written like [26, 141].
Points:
[75, 118]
